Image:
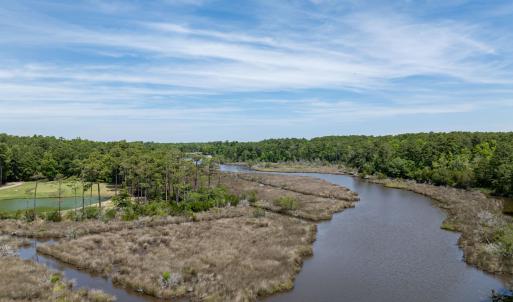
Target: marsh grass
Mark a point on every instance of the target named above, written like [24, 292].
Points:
[24, 280]
[308, 206]
[224, 259]
[42, 229]
[302, 184]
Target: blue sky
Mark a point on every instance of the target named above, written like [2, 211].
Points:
[202, 70]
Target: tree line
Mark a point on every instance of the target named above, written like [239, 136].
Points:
[460, 159]
[150, 170]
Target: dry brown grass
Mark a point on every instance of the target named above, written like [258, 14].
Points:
[228, 259]
[72, 229]
[24, 280]
[302, 184]
[310, 207]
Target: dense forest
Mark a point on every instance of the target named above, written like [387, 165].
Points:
[145, 170]
[461, 159]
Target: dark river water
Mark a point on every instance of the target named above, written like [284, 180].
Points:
[388, 248]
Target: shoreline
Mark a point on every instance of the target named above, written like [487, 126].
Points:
[471, 213]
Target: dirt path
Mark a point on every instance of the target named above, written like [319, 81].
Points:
[11, 185]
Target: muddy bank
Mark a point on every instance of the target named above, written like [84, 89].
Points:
[237, 259]
[311, 206]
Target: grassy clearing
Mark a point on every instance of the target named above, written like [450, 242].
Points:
[227, 259]
[309, 206]
[50, 189]
[27, 281]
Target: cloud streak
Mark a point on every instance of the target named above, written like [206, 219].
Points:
[355, 63]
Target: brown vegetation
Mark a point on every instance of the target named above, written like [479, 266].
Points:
[224, 259]
[24, 280]
[72, 229]
[302, 184]
[309, 207]
[303, 167]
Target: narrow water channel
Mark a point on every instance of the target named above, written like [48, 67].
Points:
[82, 279]
[388, 248]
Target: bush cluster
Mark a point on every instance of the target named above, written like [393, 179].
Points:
[504, 237]
[286, 203]
[200, 201]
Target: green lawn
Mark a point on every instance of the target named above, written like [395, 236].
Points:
[50, 189]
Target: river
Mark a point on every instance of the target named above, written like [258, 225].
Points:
[388, 248]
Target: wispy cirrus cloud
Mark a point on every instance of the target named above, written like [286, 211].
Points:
[200, 55]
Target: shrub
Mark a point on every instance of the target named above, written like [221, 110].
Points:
[504, 237]
[286, 203]
[109, 214]
[72, 215]
[154, 208]
[252, 196]
[92, 213]
[123, 200]
[129, 214]
[166, 276]
[258, 212]
[233, 200]
[54, 216]
[54, 278]
[30, 215]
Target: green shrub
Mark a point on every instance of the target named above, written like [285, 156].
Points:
[286, 203]
[54, 278]
[504, 237]
[233, 200]
[154, 208]
[123, 200]
[72, 215]
[129, 214]
[258, 212]
[109, 214]
[92, 213]
[54, 216]
[30, 215]
[166, 276]
[252, 196]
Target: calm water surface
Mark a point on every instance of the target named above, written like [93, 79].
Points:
[388, 248]
[12, 205]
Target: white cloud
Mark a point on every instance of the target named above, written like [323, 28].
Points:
[172, 69]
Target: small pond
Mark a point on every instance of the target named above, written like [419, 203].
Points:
[44, 204]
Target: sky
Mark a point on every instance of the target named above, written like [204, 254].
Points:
[208, 70]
